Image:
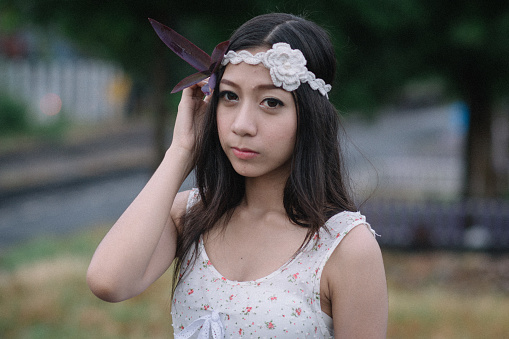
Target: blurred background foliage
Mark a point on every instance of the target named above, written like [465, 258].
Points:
[13, 115]
[454, 50]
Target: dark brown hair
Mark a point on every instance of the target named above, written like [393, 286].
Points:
[316, 188]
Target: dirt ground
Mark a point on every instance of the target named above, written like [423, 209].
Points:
[469, 272]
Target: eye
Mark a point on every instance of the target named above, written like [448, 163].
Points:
[228, 96]
[272, 103]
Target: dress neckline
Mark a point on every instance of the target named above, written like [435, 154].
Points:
[282, 268]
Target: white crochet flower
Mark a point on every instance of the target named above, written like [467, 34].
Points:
[287, 66]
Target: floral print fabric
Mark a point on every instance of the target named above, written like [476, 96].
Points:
[284, 304]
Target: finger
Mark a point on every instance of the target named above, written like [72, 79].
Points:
[203, 82]
[207, 98]
[193, 92]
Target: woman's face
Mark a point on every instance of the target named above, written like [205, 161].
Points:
[257, 122]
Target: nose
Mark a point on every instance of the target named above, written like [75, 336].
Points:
[244, 123]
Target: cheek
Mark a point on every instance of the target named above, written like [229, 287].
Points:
[284, 136]
[222, 126]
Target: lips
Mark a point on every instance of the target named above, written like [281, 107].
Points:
[244, 153]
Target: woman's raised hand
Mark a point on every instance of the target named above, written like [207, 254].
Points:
[191, 109]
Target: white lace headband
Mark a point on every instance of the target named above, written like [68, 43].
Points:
[287, 67]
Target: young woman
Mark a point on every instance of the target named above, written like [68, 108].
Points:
[270, 243]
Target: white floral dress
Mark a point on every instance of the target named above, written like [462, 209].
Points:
[284, 304]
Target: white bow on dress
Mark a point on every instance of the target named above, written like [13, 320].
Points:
[210, 323]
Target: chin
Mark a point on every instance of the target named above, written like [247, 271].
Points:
[246, 172]
[254, 172]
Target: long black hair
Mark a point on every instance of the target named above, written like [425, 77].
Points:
[316, 188]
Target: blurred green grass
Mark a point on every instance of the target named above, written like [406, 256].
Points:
[43, 294]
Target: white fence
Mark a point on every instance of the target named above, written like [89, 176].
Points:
[84, 90]
[413, 154]
[412, 178]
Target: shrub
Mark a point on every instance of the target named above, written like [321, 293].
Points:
[13, 115]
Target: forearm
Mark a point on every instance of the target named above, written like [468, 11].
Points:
[129, 257]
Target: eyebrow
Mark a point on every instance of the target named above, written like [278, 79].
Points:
[263, 86]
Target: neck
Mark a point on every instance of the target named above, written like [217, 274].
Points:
[265, 194]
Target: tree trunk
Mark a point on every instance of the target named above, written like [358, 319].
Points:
[480, 178]
[159, 103]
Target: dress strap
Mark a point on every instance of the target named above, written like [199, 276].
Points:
[194, 196]
[205, 325]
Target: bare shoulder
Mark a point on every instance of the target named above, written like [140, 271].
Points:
[358, 245]
[356, 286]
[179, 206]
[358, 252]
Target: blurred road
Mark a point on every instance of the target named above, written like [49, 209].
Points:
[68, 208]
[85, 181]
